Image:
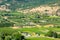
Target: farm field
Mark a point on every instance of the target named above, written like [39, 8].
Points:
[32, 26]
[42, 38]
[29, 25]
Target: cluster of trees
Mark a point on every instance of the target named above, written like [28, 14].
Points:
[53, 34]
[6, 23]
[11, 35]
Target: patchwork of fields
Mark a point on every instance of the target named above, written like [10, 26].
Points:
[29, 19]
[43, 27]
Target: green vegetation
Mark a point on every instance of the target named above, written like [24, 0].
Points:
[10, 34]
[40, 38]
[29, 26]
[25, 4]
[21, 19]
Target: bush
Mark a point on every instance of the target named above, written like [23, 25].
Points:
[52, 34]
[58, 35]
[16, 36]
[6, 24]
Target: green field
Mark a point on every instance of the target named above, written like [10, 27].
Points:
[31, 31]
[42, 38]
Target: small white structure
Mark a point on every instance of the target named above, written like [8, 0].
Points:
[26, 34]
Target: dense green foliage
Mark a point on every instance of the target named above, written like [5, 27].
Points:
[10, 34]
[52, 34]
[15, 34]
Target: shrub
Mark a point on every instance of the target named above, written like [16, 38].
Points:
[16, 36]
[52, 34]
[58, 35]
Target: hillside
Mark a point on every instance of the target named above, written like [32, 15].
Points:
[29, 12]
[29, 19]
[26, 4]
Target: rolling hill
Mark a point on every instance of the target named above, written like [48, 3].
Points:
[26, 4]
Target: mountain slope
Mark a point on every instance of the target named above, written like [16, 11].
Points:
[23, 4]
